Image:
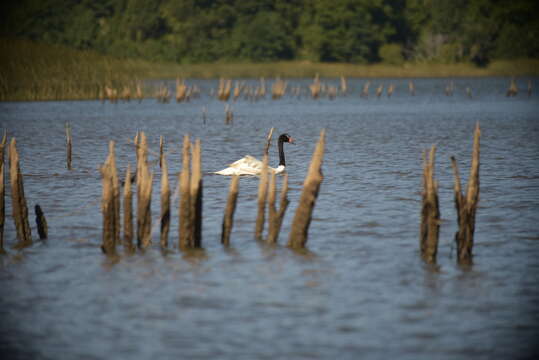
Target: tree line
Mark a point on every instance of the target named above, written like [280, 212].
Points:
[354, 31]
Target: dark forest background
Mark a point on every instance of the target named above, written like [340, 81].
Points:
[353, 31]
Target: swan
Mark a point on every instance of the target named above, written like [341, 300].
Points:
[249, 165]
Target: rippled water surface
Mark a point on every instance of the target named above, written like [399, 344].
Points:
[360, 292]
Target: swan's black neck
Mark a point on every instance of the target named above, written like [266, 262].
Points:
[281, 153]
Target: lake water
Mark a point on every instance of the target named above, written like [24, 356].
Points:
[362, 291]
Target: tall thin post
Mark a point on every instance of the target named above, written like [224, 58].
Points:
[144, 196]
[228, 218]
[108, 245]
[196, 189]
[430, 212]
[262, 197]
[128, 211]
[311, 186]
[275, 224]
[115, 193]
[2, 193]
[185, 198]
[165, 203]
[2, 207]
[18, 200]
[467, 206]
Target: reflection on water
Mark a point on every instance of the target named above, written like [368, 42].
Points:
[360, 290]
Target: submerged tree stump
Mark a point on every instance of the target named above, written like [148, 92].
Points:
[262, 197]
[2, 193]
[165, 202]
[430, 211]
[115, 194]
[128, 211]
[228, 218]
[185, 232]
[276, 216]
[108, 245]
[144, 196]
[467, 206]
[196, 189]
[18, 200]
[311, 186]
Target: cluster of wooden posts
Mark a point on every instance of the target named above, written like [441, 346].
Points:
[190, 188]
[124, 92]
[279, 88]
[18, 200]
[465, 204]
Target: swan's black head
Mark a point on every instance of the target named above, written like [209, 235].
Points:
[286, 138]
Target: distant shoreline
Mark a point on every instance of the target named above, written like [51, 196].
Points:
[32, 71]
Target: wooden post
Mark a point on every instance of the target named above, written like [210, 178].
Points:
[430, 212]
[41, 223]
[18, 200]
[165, 203]
[344, 86]
[268, 142]
[2, 207]
[311, 186]
[272, 210]
[467, 206]
[390, 90]
[411, 87]
[144, 196]
[228, 218]
[68, 145]
[185, 199]
[115, 193]
[2, 193]
[128, 211]
[196, 189]
[275, 224]
[108, 245]
[262, 197]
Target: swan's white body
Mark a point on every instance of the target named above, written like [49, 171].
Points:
[248, 165]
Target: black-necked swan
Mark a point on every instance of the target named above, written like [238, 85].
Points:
[249, 165]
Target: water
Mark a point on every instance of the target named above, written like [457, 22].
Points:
[361, 291]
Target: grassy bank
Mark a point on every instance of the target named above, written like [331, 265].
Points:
[30, 71]
[299, 69]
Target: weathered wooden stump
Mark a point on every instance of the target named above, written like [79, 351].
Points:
[228, 218]
[430, 211]
[302, 218]
[185, 232]
[165, 203]
[276, 216]
[2, 193]
[144, 196]
[108, 245]
[196, 189]
[467, 206]
[262, 198]
[128, 212]
[18, 200]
